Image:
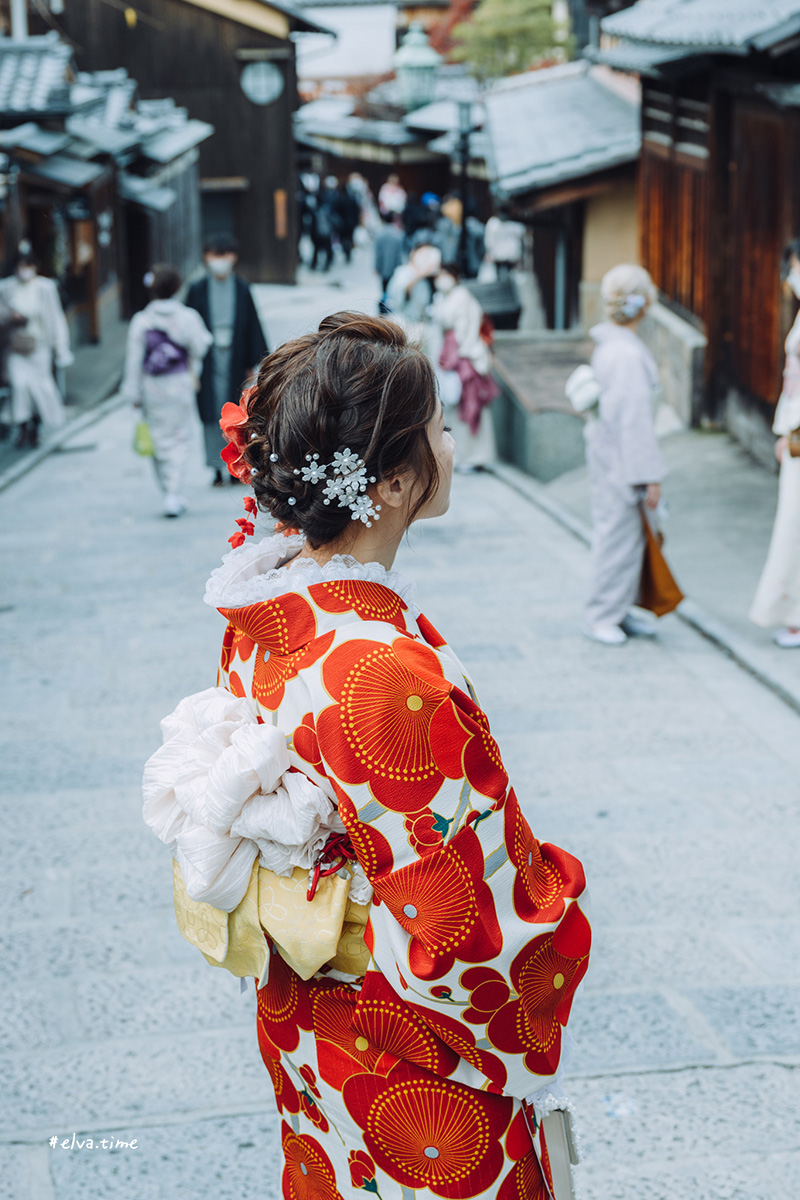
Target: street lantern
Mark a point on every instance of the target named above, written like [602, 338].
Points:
[415, 66]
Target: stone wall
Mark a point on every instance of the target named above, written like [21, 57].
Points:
[679, 350]
[750, 428]
[545, 444]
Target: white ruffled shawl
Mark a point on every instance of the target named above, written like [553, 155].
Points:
[261, 570]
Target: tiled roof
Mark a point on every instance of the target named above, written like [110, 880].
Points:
[716, 26]
[103, 117]
[442, 116]
[554, 125]
[313, 132]
[33, 76]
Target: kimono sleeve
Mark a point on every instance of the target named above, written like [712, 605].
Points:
[131, 387]
[477, 932]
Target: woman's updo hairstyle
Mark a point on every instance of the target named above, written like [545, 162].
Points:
[356, 384]
[626, 291]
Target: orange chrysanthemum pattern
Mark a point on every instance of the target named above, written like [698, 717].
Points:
[392, 1025]
[308, 1173]
[283, 1008]
[379, 731]
[546, 875]
[369, 601]
[430, 1133]
[544, 976]
[445, 905]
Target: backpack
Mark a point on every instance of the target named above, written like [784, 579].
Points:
[162, 356]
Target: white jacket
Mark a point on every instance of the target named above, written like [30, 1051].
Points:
[40, 296]
[183, 325]
[504, 239]
[621, 444]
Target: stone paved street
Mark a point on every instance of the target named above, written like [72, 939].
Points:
[671, 772]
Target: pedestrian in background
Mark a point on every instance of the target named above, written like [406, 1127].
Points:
[324, 224]
[389, 252]
[466, 352]
[348, 213]
[625, 464]
[410, 289]
[504, 240]
[167, 342]
[36, 347]
[777, 600]
[225, 303]
[392, 197]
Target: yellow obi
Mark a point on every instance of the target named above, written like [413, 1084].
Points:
[308, 934]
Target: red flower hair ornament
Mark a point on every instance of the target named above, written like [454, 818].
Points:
[232, 422]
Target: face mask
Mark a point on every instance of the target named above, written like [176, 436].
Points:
[445, 283]
[219, 267]
[26, 274]
[793, 280]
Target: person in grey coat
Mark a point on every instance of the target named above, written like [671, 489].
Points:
[226, 305]
[625, 464]
[389, 250]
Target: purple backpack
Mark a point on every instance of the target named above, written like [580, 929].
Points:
[162, 356]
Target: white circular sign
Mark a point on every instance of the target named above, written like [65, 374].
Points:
[262, 82]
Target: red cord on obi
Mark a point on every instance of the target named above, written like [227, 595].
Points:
[338, 847]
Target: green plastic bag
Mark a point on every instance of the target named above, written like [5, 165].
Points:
[143, 440]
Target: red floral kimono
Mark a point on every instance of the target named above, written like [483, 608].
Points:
[411, 1080]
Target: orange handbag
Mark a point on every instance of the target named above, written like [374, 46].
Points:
[658, 591]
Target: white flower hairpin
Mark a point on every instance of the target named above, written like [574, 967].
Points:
[347, 483]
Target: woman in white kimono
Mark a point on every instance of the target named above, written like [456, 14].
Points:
[625, 464]
[466, 354]
[777, 600]
[36, 346]
[167, 342]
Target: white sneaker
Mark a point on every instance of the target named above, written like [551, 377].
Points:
[637, 626]
[608, 635]
[173, 506]
[787, 639]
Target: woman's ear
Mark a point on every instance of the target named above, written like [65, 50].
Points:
[394, 490]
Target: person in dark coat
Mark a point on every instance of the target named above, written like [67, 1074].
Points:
[390, 252]
[225, 303]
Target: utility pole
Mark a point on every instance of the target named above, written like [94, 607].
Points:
[464, 131]
[19, 20]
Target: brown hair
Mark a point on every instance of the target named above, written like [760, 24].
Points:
[356, 384]
[166, 281]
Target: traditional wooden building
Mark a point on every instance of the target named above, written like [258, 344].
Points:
[231, 63]
[99, 183]
[719, 192]
[562, 145]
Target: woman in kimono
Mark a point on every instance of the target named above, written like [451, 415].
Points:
[465, 352]
[340, 792]
[777, 600]
[38, 344]
[625, 464]
[167, 343]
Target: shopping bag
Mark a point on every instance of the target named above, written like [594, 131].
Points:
[658, 591]
[143, 440]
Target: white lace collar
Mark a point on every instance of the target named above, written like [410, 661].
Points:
[262, 570]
